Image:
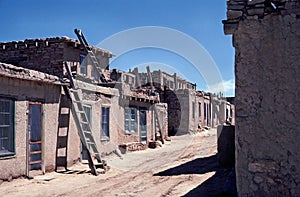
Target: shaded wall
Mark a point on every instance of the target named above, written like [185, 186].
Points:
[267, 69]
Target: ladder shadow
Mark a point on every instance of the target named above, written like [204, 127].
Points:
[63, 133]
[68, 171]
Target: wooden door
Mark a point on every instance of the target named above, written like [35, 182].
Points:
[34, 135]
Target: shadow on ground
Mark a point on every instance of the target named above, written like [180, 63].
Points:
[220, 184]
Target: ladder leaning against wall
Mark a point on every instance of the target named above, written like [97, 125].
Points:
[83, 125]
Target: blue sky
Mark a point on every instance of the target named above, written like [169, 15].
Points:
[99, 19]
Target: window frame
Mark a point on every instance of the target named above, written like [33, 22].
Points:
[131, 121]
[90, 114]
[12, 120]
[83, 64]
[105, 137]
[205, 111]
[193, 109]
[199, 109]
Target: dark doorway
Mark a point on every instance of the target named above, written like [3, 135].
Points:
[143, 124]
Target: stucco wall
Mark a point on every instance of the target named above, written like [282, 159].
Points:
[267, 69]
[268, 106]
[23, 91]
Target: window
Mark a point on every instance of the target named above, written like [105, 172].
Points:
[205, 111]
[171, 84]
[7, 147]
[130, 120]
[83, 65]
[88, 112]
[199, 109]
[193, 109]
[227, 113]
[105, 123]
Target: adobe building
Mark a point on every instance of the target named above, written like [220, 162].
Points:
[266, 38]
[118, 116]
[29, 103]
[189, 110]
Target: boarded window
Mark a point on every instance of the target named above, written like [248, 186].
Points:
[105, 123]
[130, 120]
[7, 147]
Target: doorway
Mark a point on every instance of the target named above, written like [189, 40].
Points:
[34, 135]
[143, 124]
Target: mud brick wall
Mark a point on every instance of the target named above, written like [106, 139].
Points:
[267, 69]
[133, 146]
[45, 55]
[48, 54]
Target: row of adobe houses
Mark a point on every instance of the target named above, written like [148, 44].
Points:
[37, 129]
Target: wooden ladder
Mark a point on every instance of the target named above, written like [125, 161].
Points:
[83, 125]
[159, 124]
[91, 55]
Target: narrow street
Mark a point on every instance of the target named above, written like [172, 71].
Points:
[186, 166]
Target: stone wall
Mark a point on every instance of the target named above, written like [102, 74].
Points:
[47, 55]
[267, 69]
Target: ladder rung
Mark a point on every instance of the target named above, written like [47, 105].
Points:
[91, 143]
[75, 90]
[99, 165]
[84, 122]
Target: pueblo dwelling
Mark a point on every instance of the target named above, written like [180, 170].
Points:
[124, 110]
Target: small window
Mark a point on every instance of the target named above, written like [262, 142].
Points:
[199, 109]
[88, 112]
[171, 84]
[227, 114]
[205, 111]
[193, 109]
[130, 120]
[83, 65]
[105, 123]
[7, 147]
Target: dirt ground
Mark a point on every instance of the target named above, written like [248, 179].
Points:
[186, 166]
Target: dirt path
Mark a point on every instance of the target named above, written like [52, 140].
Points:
[180, 167]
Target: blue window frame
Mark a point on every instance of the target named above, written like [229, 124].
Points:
[7, 138]
[130, 120]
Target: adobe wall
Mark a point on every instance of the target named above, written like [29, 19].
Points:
[97, 97]
[48, 54]
[22, 91]
[41, 55]
[124, 138]
[267, 70]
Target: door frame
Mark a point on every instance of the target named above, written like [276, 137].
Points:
[140, 128]
[30, 102]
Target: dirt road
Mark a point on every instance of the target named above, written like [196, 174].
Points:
[185, 166]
